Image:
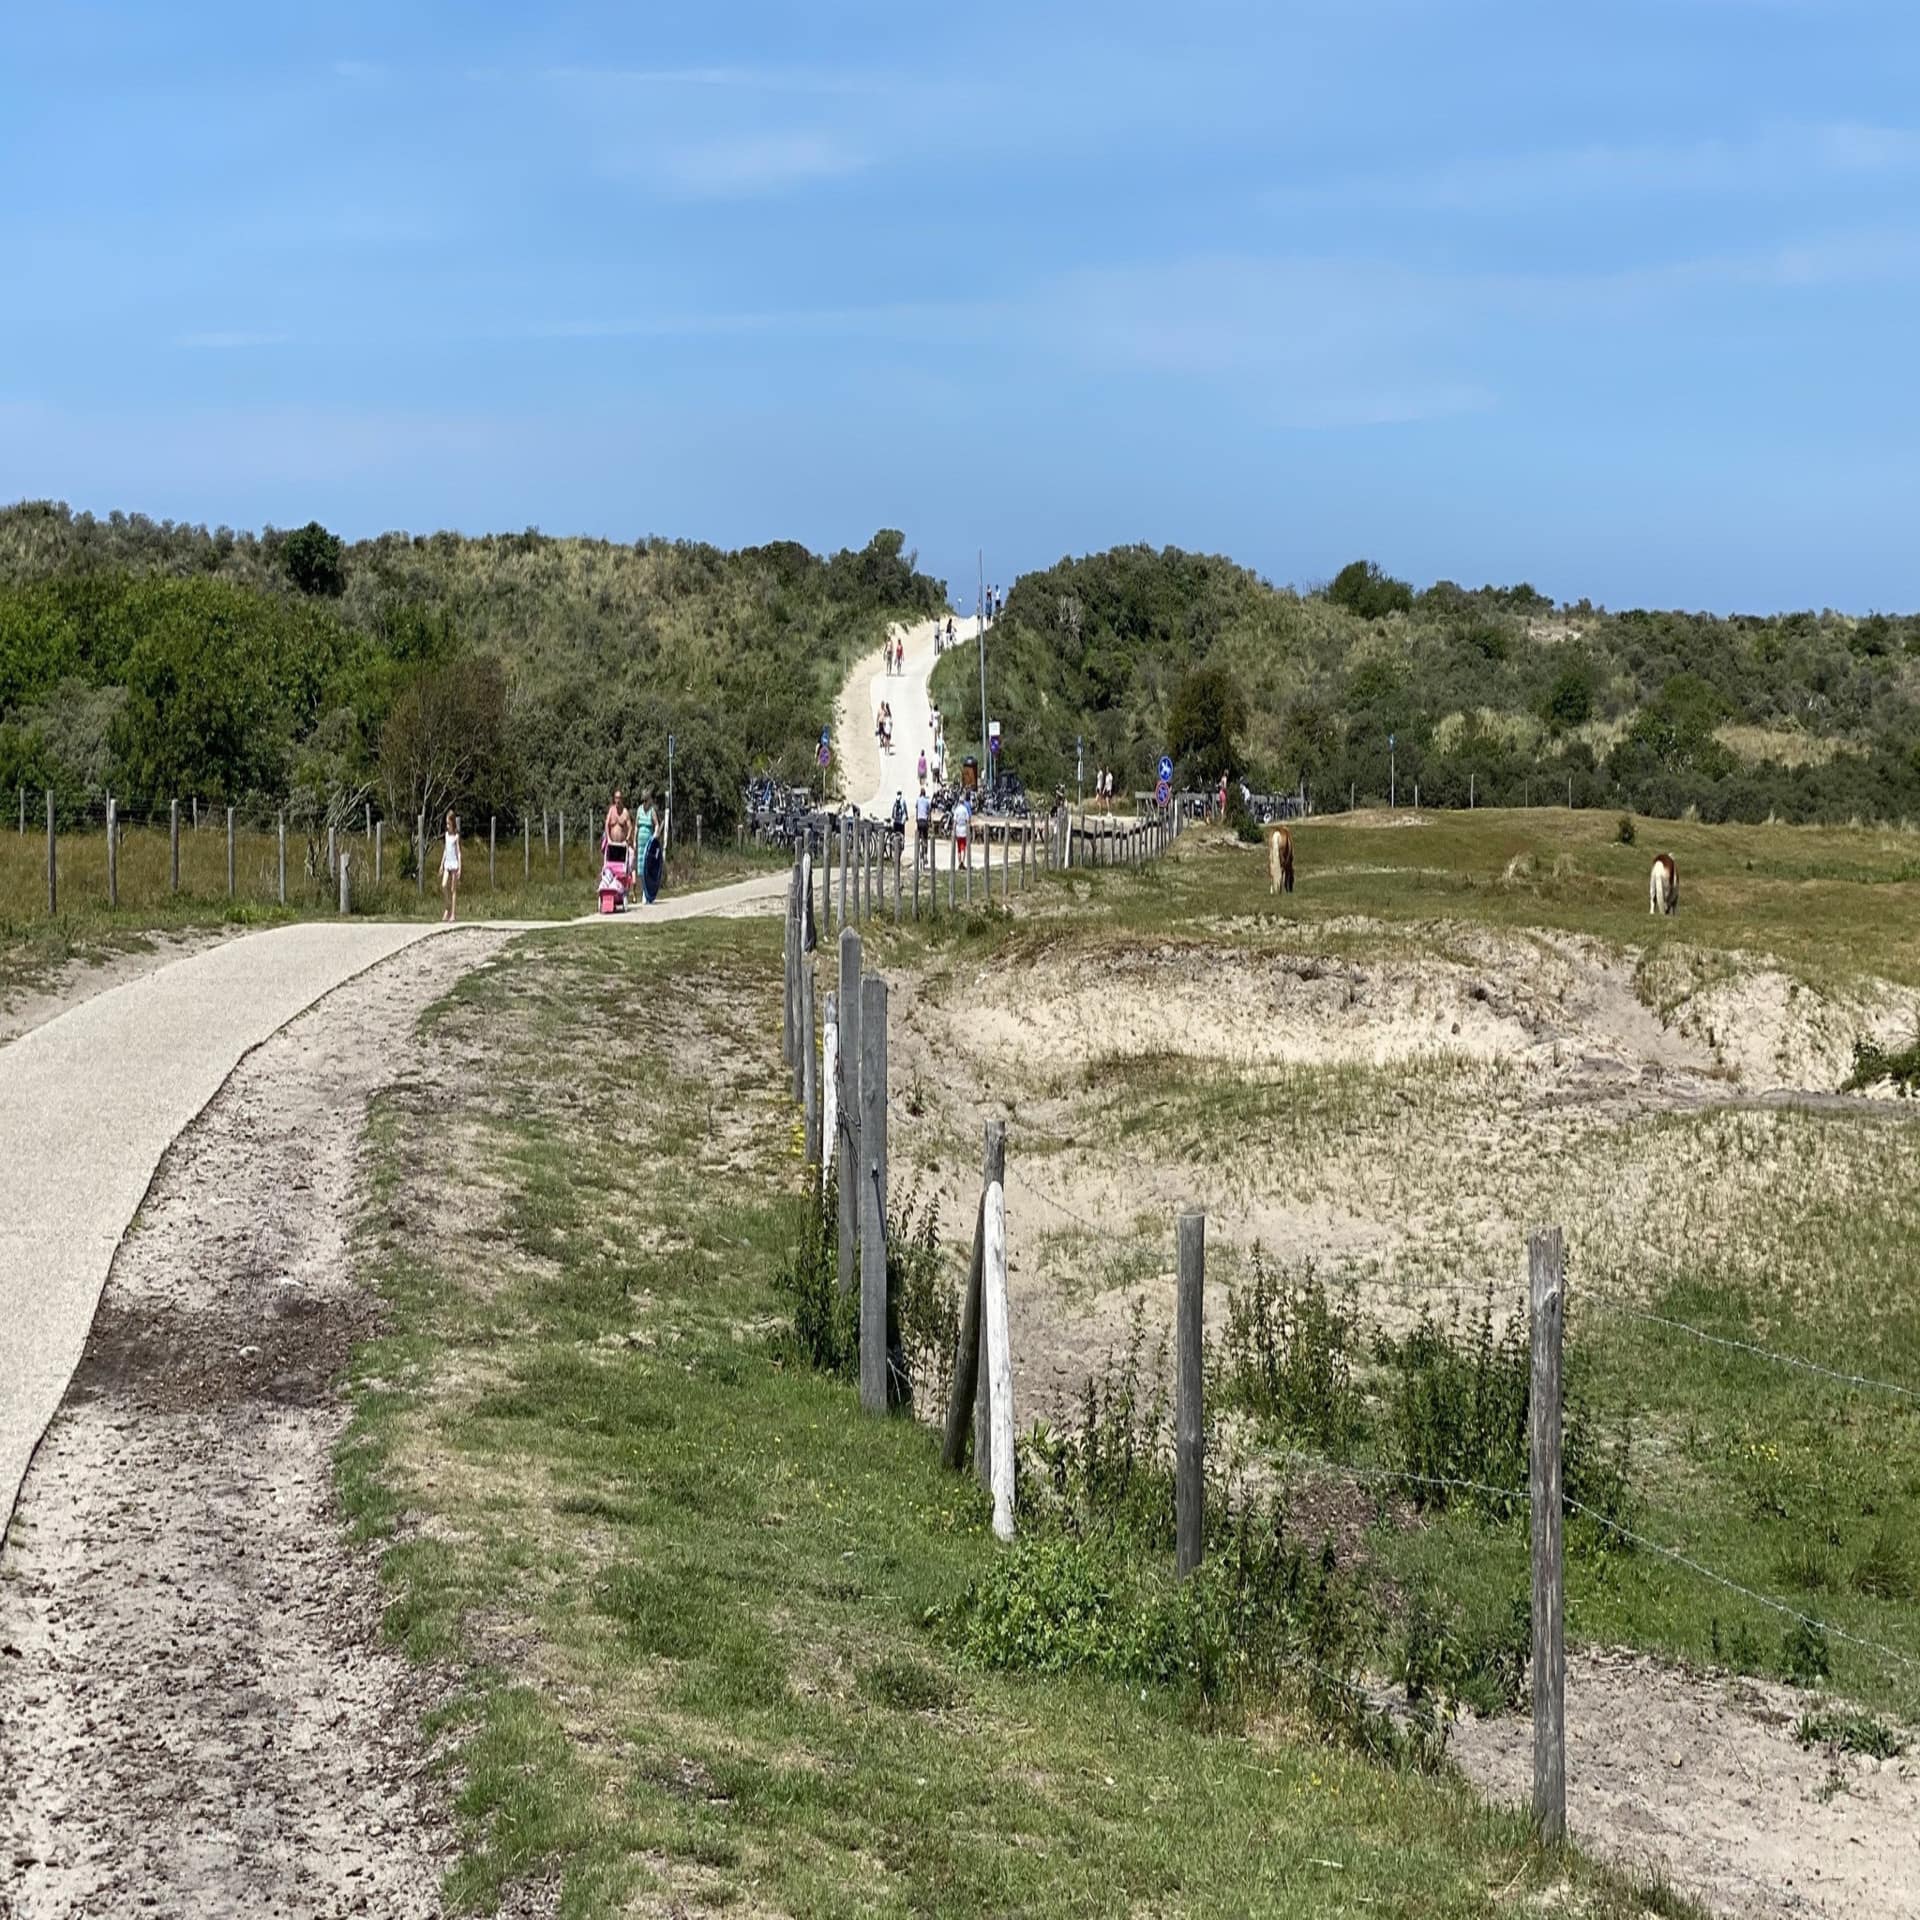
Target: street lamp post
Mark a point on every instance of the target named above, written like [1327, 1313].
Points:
[980, 616]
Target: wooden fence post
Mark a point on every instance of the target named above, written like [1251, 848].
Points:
[23, 813]
[561, 876]
[849, 1103]
[872, 1163]
[899, 842]
[281, 889]
[379, 851]
[493, 849]
[1546, 1270]
[420, 853]
[113, 856]
[969, 1378]
[953, 861]
[526, 850]
[229, 853]
[1190, 1431]
[993, 1304]
[829, 1087]
[53, 863]
[809, 1066]
[916, 875]
[802, 1028]
[346, 887]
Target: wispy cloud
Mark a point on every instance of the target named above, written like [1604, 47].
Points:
[1767, 162]
[755, 163]
[232, 338]
[805, 80]
[362, 73]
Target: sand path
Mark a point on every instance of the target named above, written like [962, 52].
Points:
[869, 778]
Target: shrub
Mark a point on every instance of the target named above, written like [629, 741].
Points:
[1289, 1356]
[1623, 830]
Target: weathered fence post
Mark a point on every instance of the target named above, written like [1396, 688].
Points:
[379, 850]
[282, 888]
[1006, 857]
[993, 1305]
[829, 1087]
[802, 1029]
[953, 861]
[1190, 1432]
[53, 862]
[113, 856]
[970, 840]
[916, 875]
[562, 874]
[420, 853]
[346, 887]
[849, 1100]
[23, 813]
[969, 1378]
[1546, 1270]
[526, 849]
[874, 1343]
[493, 849]
[790, 974]
[809, 1066]
[229, 853]
[329, 853]
[546, 836]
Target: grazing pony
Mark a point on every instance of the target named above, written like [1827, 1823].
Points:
[1663, 885]
[1279, 860]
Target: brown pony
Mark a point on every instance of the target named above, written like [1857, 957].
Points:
[1663, 885]
[1279, 860]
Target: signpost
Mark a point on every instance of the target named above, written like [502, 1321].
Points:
[1079, 770]
[825, 757]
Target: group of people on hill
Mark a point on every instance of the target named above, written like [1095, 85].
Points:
[894, 654]
[883, 726]
[1103, 789]
[943, 636]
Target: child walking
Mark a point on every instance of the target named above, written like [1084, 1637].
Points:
[450, 866]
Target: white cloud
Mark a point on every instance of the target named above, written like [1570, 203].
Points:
[1778, 158]
[232, 338]
[727, 168]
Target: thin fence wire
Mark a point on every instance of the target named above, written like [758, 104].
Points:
[1734, 1586]
[1862, 1381]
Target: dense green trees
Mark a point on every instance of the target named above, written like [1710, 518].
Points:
[161, 659]
[1205, 722]
[1493, 691]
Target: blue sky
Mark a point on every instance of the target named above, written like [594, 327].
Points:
[1618, 298]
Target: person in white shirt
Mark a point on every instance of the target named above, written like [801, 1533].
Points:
[922, 827]
[962, 820]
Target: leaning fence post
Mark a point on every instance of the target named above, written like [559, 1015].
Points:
[113, 856]
[967, 1375]
[229, 853]
[1546, 1271]
[872, 1166]
[849, 1103]
[1190, 1433]
[53, 862]
[993, 1303]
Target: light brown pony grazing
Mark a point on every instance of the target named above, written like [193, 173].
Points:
[1279, 860]
[1663, 885]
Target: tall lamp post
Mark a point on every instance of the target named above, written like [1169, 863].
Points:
[980, 619]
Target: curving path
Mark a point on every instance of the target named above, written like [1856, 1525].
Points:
[91, 1100]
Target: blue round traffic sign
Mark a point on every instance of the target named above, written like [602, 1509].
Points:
[1166, 769]
[826, 753]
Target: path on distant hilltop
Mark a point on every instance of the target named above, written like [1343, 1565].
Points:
[868, 777]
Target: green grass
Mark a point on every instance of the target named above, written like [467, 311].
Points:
[689, 1593]
[34, 945]
[1793, 1231]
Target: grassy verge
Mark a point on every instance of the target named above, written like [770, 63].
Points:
[693, 1601]
[35, 946]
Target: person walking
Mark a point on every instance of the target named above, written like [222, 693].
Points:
[923, 826]
[450, 866]
[962, 820]
[645, 833]
[923, 769]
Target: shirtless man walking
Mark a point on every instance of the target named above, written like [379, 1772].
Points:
[619, 835]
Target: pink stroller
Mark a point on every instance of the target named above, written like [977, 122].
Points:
[616, 876]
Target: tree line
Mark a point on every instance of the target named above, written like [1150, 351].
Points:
[1500, 693]
[153, 658]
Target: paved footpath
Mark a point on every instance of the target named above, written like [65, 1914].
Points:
[90, 1101]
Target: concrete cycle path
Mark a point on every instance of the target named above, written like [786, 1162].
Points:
[92, 1099]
